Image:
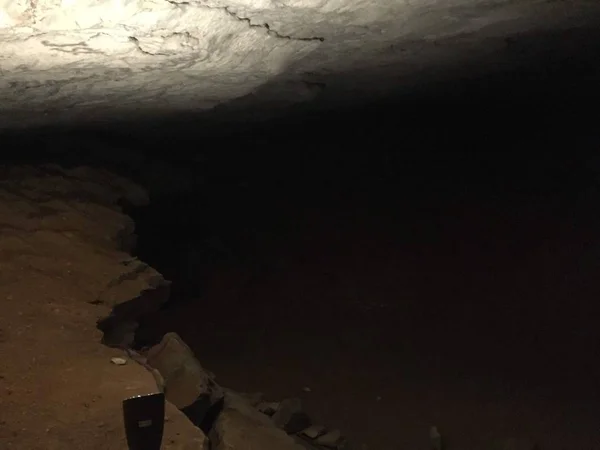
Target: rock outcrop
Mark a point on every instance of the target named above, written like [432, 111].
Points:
[67, 282]
[64, 265]
[63, 213]
[232, 421]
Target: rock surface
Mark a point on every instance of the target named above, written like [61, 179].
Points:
[73, 61]
[286, 410]
[240, 426]
[61, 252]
[185, 381]
[59, 249]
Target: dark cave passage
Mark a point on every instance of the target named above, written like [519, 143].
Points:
[403, 289]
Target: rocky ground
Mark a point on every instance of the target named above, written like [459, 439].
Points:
[62, 251]
[71, 295]
[64, 268]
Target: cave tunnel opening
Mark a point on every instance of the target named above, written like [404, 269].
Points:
[431, 259]
[454, 288]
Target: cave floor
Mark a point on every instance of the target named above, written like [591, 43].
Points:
[58, 387]
[479, 318]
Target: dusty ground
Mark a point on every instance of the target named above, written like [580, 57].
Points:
[59, 252]
[478, 318]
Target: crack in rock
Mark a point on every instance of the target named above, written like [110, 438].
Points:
[265, 26]
[32, 9]
[76, 48]
[141, 50]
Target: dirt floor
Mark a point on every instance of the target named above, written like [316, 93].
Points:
[479, 318]
[59, 254]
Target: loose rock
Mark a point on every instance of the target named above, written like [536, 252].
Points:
[332, 439]
[239, 426]
[287, 408]
[118, 361]
[185, 379]
[314, 431]
[186, 384]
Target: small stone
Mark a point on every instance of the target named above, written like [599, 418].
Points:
[287, 408]
[306, 389]
[268, 408]
[314, 431]
[118, 361]
[245, 428]
[332, 439]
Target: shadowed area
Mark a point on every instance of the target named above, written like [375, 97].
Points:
[397, 224]
[456, 289]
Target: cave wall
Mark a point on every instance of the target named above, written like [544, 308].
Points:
[89, 61]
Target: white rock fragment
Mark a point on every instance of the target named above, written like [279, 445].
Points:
[330, 439]
[118, 361]
[314, 431]
[306, 389]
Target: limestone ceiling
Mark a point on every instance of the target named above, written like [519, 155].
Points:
[72, 60]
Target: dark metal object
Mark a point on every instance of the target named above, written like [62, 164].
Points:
[144, 417]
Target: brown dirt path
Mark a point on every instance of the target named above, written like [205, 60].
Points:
[59, 249]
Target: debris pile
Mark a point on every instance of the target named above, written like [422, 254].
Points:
[231, 420]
